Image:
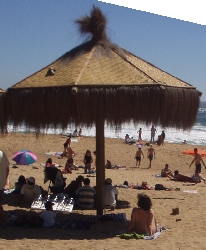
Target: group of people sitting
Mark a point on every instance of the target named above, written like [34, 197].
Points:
[27, 189]
[176, 176]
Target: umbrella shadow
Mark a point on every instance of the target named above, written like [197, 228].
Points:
[94, 229]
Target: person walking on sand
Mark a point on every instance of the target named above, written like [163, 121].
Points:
[139, 132]
[150, 155]
[138, 155]
[153, 132]
[197, 159]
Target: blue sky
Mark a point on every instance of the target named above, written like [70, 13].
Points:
[35, 33]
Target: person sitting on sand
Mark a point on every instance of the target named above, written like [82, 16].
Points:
[69, 166]
[49, 163]
[138, 155]
[110, 194]
[143, 220]
[85, 196]
[49, 215]
[166, 172]
[19, 184]
[29, 191]
[71, 189]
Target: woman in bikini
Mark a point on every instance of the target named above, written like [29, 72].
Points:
[142, 218]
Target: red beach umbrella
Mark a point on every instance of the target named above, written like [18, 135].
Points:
[191, 152]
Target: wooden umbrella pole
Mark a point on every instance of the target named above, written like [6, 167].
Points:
[100, 164]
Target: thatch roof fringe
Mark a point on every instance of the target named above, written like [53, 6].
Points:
[42, 107]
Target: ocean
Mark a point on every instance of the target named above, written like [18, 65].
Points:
[196, 136]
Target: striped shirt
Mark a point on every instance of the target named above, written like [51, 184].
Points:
[85, 197]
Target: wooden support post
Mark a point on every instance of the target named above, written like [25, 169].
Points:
[100, 164]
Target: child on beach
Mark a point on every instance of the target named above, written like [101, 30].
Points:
[49, 215]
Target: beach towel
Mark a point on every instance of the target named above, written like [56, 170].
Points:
[54, 153]
[141, 236]
[191, 191]
[158, 175]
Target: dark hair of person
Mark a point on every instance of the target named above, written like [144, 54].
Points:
[49, 161]
[86, 181]
[80, 178]
[21, 180]
[195, 149]
[176, 172]
[126, 183]
[144, 202]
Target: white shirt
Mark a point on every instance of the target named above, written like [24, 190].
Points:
[48, 217]
[4, 165]
[109, 195]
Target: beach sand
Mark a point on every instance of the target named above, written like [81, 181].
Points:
[187, 233]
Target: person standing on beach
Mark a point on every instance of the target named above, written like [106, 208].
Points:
[4, 172]
[153, 132]
[88, 161]
[138, 155]
[150, 155]
[139, 132]
[162, 137]
[197, 159]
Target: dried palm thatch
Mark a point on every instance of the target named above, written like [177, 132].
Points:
[99, 82]
[41, 107]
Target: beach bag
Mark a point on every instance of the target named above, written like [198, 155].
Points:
[160, 187]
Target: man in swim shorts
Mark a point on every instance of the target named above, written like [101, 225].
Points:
[197, 159]
[150, 155]
[138, 156]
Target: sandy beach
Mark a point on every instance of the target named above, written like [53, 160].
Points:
[185, 231]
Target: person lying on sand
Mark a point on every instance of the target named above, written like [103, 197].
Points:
[166, 172]
[109, 165]
[183, 178]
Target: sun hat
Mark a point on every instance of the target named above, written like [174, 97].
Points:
[108, 180]
[31, 179]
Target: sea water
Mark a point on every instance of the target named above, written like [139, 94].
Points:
[195, 136]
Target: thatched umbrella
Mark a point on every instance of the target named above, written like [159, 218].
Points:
[96, 83]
